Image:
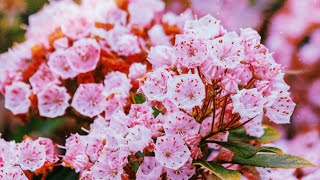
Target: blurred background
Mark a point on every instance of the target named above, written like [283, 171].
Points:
[290, 28]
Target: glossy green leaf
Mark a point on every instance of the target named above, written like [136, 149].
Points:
[242, 150]
[273, 161]
[247, 150]
[139, 99]
[218, 170]
[271, 150]
[270, 135]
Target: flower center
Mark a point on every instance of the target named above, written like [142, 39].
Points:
[168, 154]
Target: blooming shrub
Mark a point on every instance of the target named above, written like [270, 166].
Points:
[170, 97]
[216, 81]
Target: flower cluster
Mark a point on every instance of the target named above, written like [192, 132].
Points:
[73, 58]
[210, 82]
[16, 159]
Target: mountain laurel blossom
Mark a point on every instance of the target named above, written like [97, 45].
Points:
[161, 96]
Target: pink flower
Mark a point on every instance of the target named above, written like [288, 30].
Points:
[140, 114]
[75, 155]
[17, 98]
[53, 101]
[149, 169]
[119, 124]
[206, 27]
[248, 103]
[7, 154]
[230, 83]
[12, 173]
[161, 56]
[105, 170]
[137, 70]
[95, 146]
[281, 109]
[243, 73]
[180, 123]
[31, 155]
[171, 151]
[211, 71]
[77, 27]
[86, 175]
[196, 153]
[51, 155]
[89, 99]
[84, 55]
[99, 125]
[254, 127]
[186, 91]
[158, 37]
[155, 85]
[115, 104]
[60, 65]
[116, 83]
[190, 50]
[122, 41]
[43, 78]
[184, 172]
[115, 155]
[227, 51]
[138, 138]
[177, 20]
[149, 9]
[250, 37]
[192, 140]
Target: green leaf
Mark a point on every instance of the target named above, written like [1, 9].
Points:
[270, 135]
[218, 170]
[242, 150]
[135, 166]
[40, 126]
[247, 150]
[140, 154]
[271, 150]
[156, 111]
[139, 99]
[273, 161]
